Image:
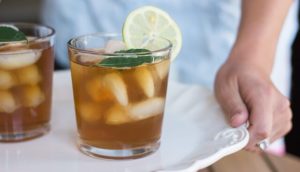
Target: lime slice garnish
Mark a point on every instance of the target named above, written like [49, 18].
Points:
[145, 24]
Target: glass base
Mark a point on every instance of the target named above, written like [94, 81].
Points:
[27, 135]
[118, 153]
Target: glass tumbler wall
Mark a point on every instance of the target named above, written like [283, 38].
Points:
[119, 109]
[26, 69]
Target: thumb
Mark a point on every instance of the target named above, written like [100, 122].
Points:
[233, 106]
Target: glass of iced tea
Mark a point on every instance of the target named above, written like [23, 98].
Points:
[26, 69]
[119, 95]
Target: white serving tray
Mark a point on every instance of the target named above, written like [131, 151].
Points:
[195, 135]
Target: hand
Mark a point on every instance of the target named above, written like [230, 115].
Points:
[245, 92]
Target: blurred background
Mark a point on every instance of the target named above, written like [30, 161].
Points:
[30, 11]
[16, 10]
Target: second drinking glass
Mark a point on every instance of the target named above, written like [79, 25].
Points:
[26, 69]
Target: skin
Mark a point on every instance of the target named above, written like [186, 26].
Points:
[243, 86]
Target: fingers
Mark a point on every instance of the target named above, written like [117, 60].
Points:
[270, 120]
[232, 104]
[282, 120]
[279, 133]
[260, 104]
[281, 126]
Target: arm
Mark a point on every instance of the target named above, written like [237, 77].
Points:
[243, 85]
[259, 30]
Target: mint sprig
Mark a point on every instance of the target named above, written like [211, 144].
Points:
[129, 58]
[9, 34]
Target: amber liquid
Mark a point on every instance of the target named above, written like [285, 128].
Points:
[119, 108]
[25, 90]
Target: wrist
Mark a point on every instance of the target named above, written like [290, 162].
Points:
[261, 57]
[256, 53]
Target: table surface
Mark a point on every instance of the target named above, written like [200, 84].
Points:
[243, 161]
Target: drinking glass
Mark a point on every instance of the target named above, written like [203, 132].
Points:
[26, 69]
[119, 108]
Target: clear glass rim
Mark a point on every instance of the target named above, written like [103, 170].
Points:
[31, 26]
[103, 34]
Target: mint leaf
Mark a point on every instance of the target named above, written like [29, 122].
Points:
[135, 51]
[8, 34]
[125, 61]
[129, 58]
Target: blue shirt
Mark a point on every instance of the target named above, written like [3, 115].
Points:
[209, 28]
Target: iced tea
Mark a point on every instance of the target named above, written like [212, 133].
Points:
[26, 84]
[119, 110]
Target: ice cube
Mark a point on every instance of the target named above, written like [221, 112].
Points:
[147, 108]
[28, 75]
[97, 91]
[114, 82]
[117, 115]
[7, 80]
[31, 38]
[7, 102]
[18, 59]
[31, 96]
[12, 46]
[162, 69]
[144, 79]
[114, 45]
[90, 112]
[85, 58]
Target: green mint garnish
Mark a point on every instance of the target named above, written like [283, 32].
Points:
[8, 34]
[129, 58]
[135, 51]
